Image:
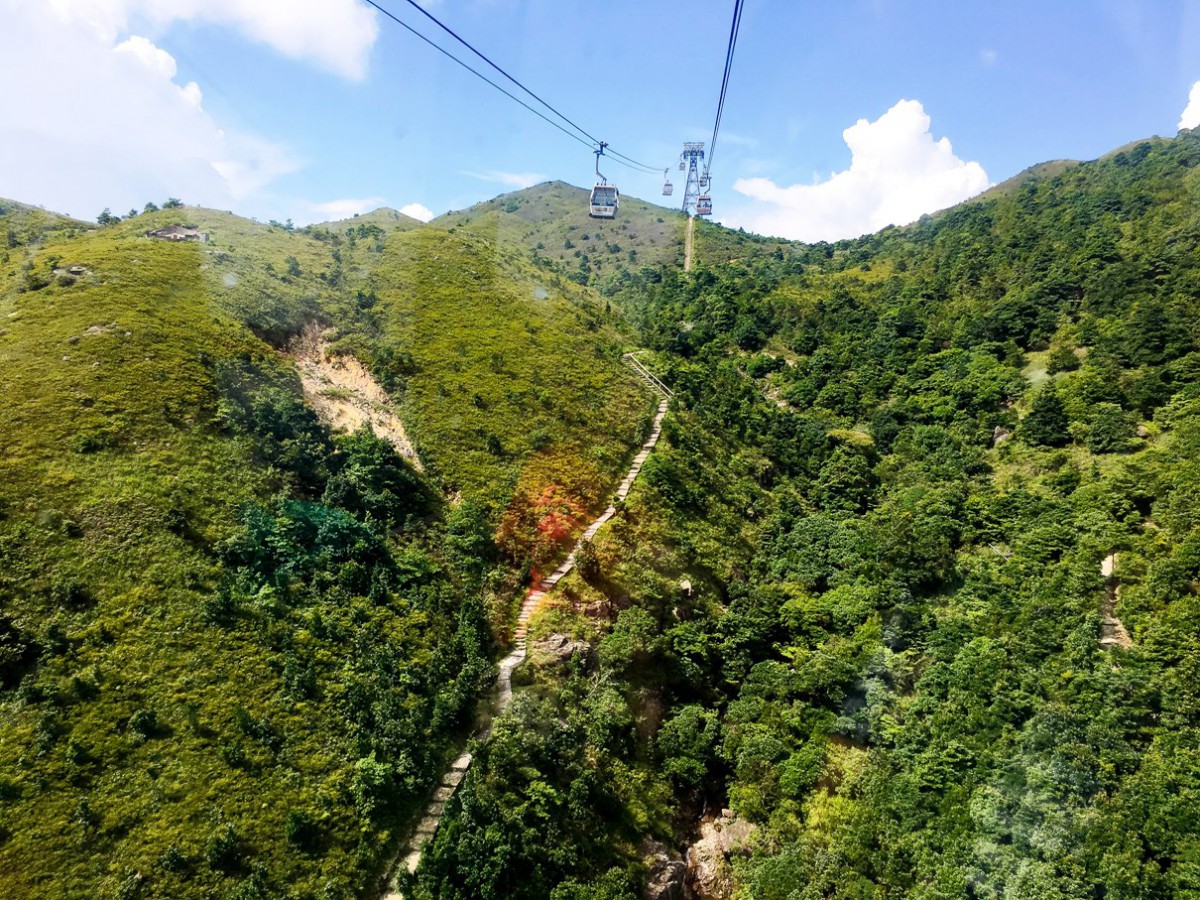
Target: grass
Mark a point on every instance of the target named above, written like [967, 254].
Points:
[551, 221]
[106, 447]
[119, 485]
[510, 364]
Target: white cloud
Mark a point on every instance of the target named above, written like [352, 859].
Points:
[105, 124]
[149, 55]
[347, 208]
[1191, 113]
[988, 57]
[897, 173]
[335, 34]
[417, 211]
[517, 180]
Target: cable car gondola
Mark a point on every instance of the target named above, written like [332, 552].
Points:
[604, 201]
[605, 196]
[668, 188]
[704, 205]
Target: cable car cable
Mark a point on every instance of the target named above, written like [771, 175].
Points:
[641, 165]
[611, 154]
[473, 71]
[450, 31]
[733, 36]
[629, 162]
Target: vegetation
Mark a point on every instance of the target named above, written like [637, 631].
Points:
[551, 222]
[236, 649]
[893, 655]
[856, 595]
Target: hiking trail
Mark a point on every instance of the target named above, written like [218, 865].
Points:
[502, 692]
[687, 244]
[1113, 632]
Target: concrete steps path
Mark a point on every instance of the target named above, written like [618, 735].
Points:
[410, 856]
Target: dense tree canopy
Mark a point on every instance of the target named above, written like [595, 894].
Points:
[898, 657]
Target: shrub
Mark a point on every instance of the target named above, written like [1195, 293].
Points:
[173, 860]
[224, 850]
[301, 831]
[144, 722]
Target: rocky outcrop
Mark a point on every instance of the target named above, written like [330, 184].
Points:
[559, 648]
[710, 874]
[667, 879]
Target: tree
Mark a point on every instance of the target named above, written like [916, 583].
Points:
[687, 742]
[106, 218]
[173, 203]
[845, 482]
[1046, 424]
[150, 207]
[1110, 429]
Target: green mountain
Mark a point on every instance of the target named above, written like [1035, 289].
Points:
[551, 221]
[234, 646]
[909, 589]
[385, 217]
[24, 224]
[902, 604]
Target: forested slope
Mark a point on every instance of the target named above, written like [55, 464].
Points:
[858, 595]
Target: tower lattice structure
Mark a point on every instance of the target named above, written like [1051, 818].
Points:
[690, 159]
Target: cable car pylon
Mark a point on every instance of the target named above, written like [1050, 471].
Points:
[696, 200]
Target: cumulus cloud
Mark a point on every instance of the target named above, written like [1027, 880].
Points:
[335, 34]
[1191, 113]
[105, 124]
[516, 180]
[897, 173]
[417, 211]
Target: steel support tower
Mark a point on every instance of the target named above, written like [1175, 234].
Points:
[690, 159]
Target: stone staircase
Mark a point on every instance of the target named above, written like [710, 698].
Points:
[503, 691]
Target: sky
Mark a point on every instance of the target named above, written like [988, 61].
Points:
[841, 117]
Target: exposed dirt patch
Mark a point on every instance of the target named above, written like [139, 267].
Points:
[687, 245]
[344, 394]
[1112, 630]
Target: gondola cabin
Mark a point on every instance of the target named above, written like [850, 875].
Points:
[604, 201]
[668, 189]
[704, 205]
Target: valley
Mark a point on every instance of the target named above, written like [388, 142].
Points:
[521, 554]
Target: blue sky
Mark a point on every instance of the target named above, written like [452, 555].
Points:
[303, 110]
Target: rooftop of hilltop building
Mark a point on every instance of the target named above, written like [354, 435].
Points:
[178, 233]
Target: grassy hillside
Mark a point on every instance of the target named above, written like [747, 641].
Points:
[551, 221]
[498, 362]
[23, 224]
[385, 217]
[235, 648]
[172, 715]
